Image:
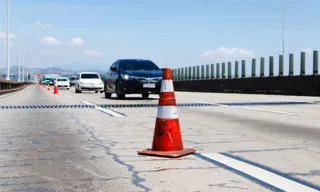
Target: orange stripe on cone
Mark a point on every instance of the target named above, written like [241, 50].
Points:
[167, 98]
[167, 74]
[167, 139]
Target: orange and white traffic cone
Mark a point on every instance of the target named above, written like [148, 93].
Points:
[55, 90]
[48, 87]
[167, 139]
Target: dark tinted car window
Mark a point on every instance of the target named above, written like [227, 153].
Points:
[72, 78]
[89, 76]
[138, 65]
[62, 79]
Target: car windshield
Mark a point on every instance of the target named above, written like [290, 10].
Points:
[89, 76]
[72, 78]
[62, 80]
[138, 65]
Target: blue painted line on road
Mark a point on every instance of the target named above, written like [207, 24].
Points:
[249, 177]
[287, 176]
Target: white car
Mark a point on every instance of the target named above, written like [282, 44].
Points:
[62, 82]
[89, 81]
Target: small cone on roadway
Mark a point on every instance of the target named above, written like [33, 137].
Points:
[55, 90]
[167, 139]
[48, 87]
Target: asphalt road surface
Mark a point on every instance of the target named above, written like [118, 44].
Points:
[238, 148]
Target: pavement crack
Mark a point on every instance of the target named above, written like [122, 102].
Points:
[188, 168]
[225, 185]
[136, 179]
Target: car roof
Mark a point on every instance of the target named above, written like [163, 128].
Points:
[88, 73]
[133, 60]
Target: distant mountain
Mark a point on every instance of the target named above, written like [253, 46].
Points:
[50, 70]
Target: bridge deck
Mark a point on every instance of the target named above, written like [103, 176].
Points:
[95, 149]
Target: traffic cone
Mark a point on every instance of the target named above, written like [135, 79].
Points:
[55, 90]
[167, 139]
[49, 88]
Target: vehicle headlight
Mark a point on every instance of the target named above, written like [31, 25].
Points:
[81, 82]
[125, 76]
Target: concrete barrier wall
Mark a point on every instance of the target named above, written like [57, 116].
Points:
[11, 86]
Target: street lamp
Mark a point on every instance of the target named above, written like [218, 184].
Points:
[8, 49]
[18, 46]
[24, 58]
[283, 28]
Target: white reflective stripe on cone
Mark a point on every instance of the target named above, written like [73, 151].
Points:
[166, 86]
[167, 112]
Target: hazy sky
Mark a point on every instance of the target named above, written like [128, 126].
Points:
[88, 34]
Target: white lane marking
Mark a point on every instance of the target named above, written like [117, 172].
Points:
[109, 112]
[247, 108]
[166, 86]
[167, 112]
[70, 97]
[258, 173]
[88, 103]
[104, 110]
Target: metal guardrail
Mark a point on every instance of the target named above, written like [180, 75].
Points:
[213, 72]
[220, 77]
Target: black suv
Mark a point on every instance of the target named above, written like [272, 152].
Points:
[133, 76]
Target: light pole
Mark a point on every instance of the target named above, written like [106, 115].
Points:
[24, 57]
[8, 31]
[283, 28]
[18, 46]
[23, 65]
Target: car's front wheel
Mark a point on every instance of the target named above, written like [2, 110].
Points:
[119, 95]
[77, 90]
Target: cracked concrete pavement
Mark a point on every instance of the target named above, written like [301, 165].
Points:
[87, 150]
